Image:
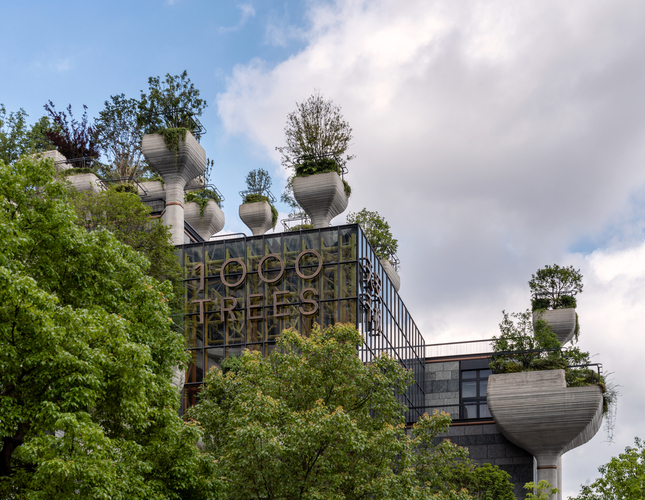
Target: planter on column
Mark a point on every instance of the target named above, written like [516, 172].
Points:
[322, 196]
[539, 413]
[391, 273]
[152, 189]
[257, 216]
[207, 224]
[561, 321]
[176, 169]
[86, 182]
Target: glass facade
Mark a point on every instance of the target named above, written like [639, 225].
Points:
[242, 292]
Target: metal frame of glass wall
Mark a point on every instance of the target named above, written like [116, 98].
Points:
[242, 292]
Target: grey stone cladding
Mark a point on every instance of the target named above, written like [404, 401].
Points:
[442, 387]
[486, 445]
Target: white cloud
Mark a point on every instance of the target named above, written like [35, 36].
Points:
[492, 136]
[247, 13]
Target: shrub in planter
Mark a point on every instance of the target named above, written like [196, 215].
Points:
[126, 188]
[525, 345]
[202, 197]
[301, 227]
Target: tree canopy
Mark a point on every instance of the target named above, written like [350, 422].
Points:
[622, 478]
[18, 139]
[555, 286]
[170, 103]
[377, 230]
[311, 420]
[128, 219]
[120, 137]
[72, 138]
[87, 355]
[316, 130]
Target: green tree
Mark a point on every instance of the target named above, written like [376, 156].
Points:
[316, 130]
[377, 231]
[311, 420]
[119, 136]
[128, 219]
[87, 355]
[555, 287]
[258, 181]
[170, 103]
[623, 478]
[540, 491]
[18, 139]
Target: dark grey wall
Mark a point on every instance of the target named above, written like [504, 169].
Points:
[485, 442]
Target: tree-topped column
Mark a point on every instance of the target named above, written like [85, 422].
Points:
[177, 165]
[168, 114]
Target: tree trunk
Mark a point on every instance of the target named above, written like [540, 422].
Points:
[9, 445]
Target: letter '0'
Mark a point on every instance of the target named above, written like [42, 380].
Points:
[298, 264]
[275, 256]
[222, 274]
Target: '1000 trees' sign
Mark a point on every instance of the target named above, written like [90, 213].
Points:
[255, 311]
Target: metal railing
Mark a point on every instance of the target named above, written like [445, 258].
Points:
[261, 192]
[449, 349]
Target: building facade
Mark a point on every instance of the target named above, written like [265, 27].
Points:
[241, 292]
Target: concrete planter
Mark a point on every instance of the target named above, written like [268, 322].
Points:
[322, 196]
[176, 171]
[208, 224]
[153, 190]
[257, 216]
[561, 321]
[539, 413]
[391, 273]
[86, 182]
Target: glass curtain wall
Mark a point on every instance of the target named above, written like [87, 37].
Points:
[241, 293]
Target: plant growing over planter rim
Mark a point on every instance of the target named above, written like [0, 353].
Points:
[202, 197]
[527, 346]
[258, 183]
[377, 231]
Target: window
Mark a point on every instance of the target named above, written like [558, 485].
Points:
[473, 383]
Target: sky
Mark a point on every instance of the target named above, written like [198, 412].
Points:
[495, 137]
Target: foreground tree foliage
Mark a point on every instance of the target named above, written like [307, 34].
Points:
[623, 478]
[128, 219]
[87, 407]
[311, 421]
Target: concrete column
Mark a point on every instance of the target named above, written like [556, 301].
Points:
[174, 214]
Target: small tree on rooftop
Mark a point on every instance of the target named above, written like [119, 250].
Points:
[72, 138]
[555, 287]
[170, 103]
[18, 139]
[258, 183]
[317, 138]
[377, 231]
[316, 130]
[119, 135]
